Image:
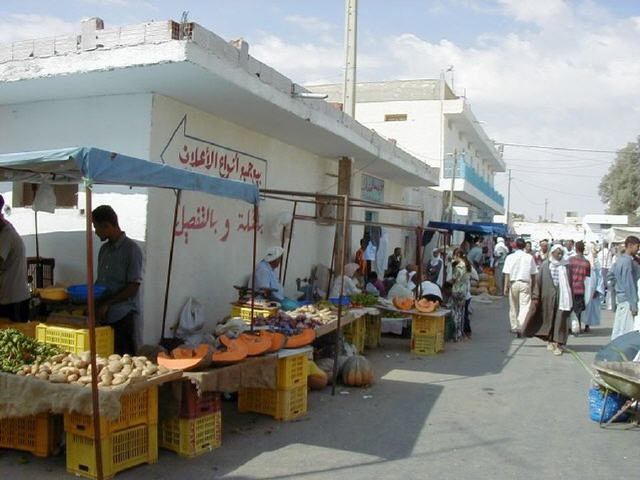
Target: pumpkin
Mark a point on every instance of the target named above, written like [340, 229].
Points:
[257, 343]
[426, 306]
[326, 365]
[317, 379]
[278, 341]
[232, 351]
[403, 303]
[302, 339]
[357, 372]
[184, 358]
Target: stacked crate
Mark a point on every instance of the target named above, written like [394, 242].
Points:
[356, 333]
[38, 434]
[128, 441]
[76, 340]
[288, 400]
[198, 427]
[373, 331]
[427, 334]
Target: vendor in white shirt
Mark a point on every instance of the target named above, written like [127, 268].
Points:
[266, 277]
[350, 286]
[519, 280]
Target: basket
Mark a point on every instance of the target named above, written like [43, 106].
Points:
[189, 437]
[614, 403]
[292, 371]
[76, 340]
[120, 450]
[137, 408]
[37, 434]
[422, 325]
[193, 405]
[280, 404]
[79, 293]
[26, 328]
[245, 312]
[427, 344]
[373, 331]
[355, 333]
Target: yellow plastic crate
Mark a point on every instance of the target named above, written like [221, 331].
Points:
[245, 312]
[76, 340]
[26, 328]
[38, 434]
[355, 333]
[137, 408]
[280, 404]
[292, 371]
[120, 451]
[427, 344]
[421, 325]
[189, 437]
[373, 331]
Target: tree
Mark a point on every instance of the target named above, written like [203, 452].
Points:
[620, 187]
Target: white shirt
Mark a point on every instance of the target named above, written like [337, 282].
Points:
[519, 265]
[13, 267]
[350, 287]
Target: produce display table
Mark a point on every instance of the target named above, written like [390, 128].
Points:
[427, 329]
[348, 317]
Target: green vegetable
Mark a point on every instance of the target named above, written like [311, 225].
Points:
[364, 299]
[16, 350]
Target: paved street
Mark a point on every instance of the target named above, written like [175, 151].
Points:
[496, 407]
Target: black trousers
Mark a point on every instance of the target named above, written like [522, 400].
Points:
[467, 320]
[16, 312]
[124, 333]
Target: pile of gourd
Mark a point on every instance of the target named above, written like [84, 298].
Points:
[76, 369]
[321, 315]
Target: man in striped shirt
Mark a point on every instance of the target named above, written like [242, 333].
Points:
[579, 270]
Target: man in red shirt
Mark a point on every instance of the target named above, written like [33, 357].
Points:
[579, 270]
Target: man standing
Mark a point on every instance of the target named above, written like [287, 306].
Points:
[435, 268]
[394, 263]
[543, 253]
[623, 277]
[579, 270]
[519, 280]
[120, 271]
[14, 290]
[570, 252]
[500, 253]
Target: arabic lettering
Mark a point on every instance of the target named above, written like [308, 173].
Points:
[205, 218]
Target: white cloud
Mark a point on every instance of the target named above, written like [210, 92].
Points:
[541, 12]
[18, 26]
[312, 24]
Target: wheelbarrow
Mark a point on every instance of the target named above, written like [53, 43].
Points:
[622, 378]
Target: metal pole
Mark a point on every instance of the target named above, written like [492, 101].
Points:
[253, 268]
[546, 203]
[350, 41]
[286, 263]
[453, 185]
[168, 283]
[95, 398]
[509, 200]
[333, 260]
[343, 249]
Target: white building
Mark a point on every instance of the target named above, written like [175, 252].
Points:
[429, 120]
[160, 91]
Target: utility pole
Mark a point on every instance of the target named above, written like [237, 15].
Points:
[546, 202]
[509, 200]
[453, 185]
[350, 41]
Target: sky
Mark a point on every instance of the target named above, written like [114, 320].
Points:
[536, 72]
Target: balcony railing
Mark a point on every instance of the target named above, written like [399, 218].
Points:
[466, 172]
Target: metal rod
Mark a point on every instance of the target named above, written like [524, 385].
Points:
[282, 246]
[253, 267]
[419, 260]
[95, 394]
[345, 222]
[169, 267]
[333, 260]
[362, 222]
[286, 263]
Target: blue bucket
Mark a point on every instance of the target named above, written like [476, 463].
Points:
[344, 300]
[614, 403]
[78, 293]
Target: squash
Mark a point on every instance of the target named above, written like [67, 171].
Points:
[184, 358]
[233, 351]
[403, 303]
[426, 306]
[304, 338]
[357, 372]
[278, 341]
[257, 343]
[316, 378]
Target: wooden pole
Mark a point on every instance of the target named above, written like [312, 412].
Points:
[169, 267]
[286, 263]
[253, 267]
[345, 221]
[95, 394]
[333, 263]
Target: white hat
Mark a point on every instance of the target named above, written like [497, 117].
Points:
[430, 288]
[350, 269]
[273, 253]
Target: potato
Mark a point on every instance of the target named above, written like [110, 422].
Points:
[85, 356]
[86, 379]
[114, 357]
[72, 378]
[126, 370]
[126, 360]
[118, 381]
[57, 378]
[82, 372]
[42, 375]
[150, 369]
[135, 373]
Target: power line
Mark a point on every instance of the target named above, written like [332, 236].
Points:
[548, 147]
[557, 191]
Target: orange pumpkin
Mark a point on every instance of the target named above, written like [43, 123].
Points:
[357, 372]
[234, 350]
[426, 306]
[257, 343]
[183, 358]
[307, 336]
[403, 303]
[278, 341]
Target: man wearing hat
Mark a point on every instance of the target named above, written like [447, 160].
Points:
[14, 290]
[266, 277]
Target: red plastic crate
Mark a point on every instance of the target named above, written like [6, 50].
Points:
[193, 405]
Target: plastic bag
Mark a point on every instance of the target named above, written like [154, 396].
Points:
[191, 322]
[45, 200]
[575, 323]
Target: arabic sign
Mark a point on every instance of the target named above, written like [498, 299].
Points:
[372, 189]
[209, 157]
[205, 218]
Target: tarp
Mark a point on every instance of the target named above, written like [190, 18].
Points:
[498, 229]
[618, 234]
[462, 227]
[96, 166]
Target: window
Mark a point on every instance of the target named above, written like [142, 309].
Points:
[395, 117]
[24, 194]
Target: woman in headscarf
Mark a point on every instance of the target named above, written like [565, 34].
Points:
[350, 286]
[551, 303]
[403, 286]
[435, 268]
[461, 272]
[591, 316]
